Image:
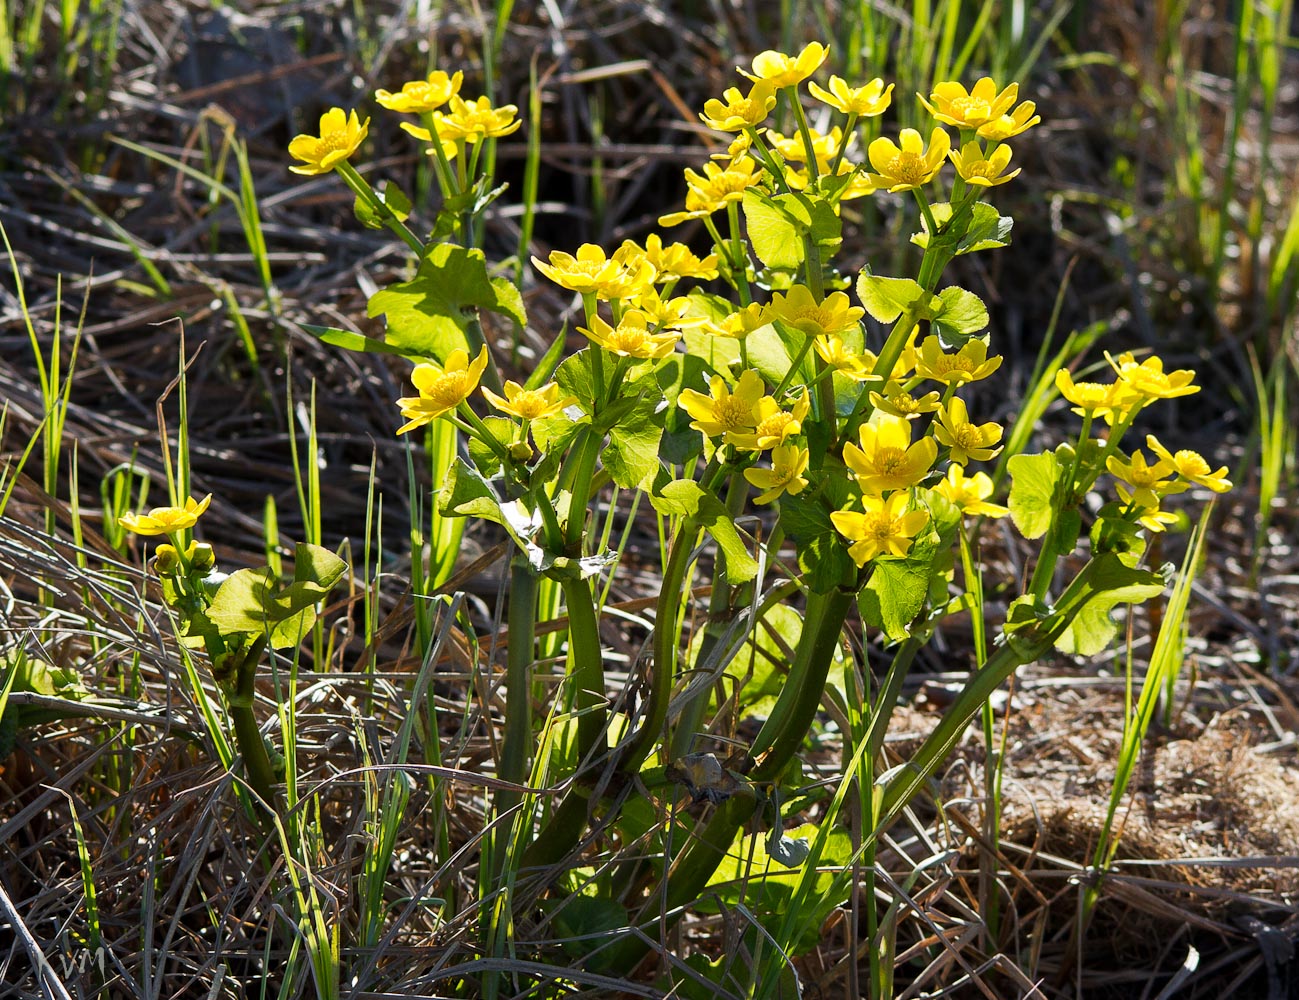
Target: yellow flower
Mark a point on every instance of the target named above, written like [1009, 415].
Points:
[867, 102]
[970, 495]
[1149, 482]
[738, 148]
[724, 414]
[848, 363]
[166, 520]
[340, 135]
[447, 135]
[885, 527]
[1149, 380]
[954, 105]
[529, 404]
[441, 387]
[897, 401]
[969, 364]
[590, 271]
[969, 442]
[974, 168]
[792, 150]
[475, 121]
[780, 70]
[774, 426]
[1008, 126]
[738, 111]
[418, 96]
[709, 192]
[1111, 400]
[741, 323]
[1149, 516]
[632, 337]
[1191, 466]
[666, 314]
[675, 260]
[887, 460]
[788, 463]
[800, 311]
[907, 167]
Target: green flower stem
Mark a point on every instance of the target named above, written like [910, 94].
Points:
[584, 469]
[884, 365]
[764, 154]
[777, 743]
[1050, 553]
[585, 666]
[666, 625]
[737, 254]
[516, 742]
[813, 170]
[843, 145]
[367, 194]
[252, 746]
[923, 202]
[720, 608]
[791, 717]
[885, 700]
[473, 425]
[980, 686]
[441, 165]
[794, 365]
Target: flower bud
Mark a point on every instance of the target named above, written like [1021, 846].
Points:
[166, 560]
[521, 451]
[201, 557]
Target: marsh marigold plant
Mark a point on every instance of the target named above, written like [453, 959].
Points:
[807, 439]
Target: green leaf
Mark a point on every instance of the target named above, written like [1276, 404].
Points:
[887, 298]
[429, 315]
[573, 376]
[580, 921]
[315, 564]
[679, 498]
[741, 567]
[749, 873]
[822, 551]
[776, 227]
[390, 195]
[959, 316]
[465, 493]
[632, 457]
[685, 497]
[893, 597]
[483, 455]
[986, 229]
[251, 601]
[1111, 582]
[761, 664]
[350, 341]
[1032, 492]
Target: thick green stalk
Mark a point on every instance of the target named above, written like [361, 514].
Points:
[252, 747]
[585, 666]
[665, 647]
[785, 729]
[517, 739]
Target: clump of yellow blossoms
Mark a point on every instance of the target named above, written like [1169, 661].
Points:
[591, 272]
